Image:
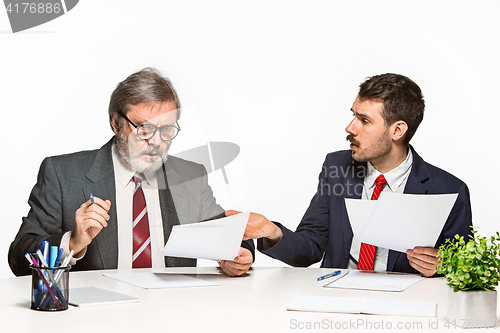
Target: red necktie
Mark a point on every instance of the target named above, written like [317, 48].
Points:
[367, 251]
[142, 241]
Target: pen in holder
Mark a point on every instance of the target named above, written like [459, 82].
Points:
[49, 288]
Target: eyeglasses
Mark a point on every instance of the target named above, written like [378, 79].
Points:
[147, 131]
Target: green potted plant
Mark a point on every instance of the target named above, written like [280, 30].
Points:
[471, 270]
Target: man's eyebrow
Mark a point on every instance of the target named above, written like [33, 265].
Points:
[148, 122]
[360, 114]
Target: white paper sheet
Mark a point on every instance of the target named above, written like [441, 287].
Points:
[400, 221]
[160, 280]
[366, 305]
[378, 306]
[378, 281]
[327, 304]
[217, 239]
[359, 212]
[91, 296]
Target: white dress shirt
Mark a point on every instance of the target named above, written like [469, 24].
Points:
[396, 182]
[125, 186]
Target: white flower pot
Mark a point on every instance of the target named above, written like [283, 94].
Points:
[472, 309]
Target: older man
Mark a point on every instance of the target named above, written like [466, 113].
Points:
[116, 206]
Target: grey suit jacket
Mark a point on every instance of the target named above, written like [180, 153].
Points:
[65, 182]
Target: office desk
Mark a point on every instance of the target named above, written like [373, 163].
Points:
[255, 302]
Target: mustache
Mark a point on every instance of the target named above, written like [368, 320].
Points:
[351, 139]
[151, 150]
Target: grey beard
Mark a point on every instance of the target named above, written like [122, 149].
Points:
[123, 147]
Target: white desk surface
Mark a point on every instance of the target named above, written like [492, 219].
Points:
[253, 303]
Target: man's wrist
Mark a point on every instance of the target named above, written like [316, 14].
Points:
[275, 236]
[75, 245]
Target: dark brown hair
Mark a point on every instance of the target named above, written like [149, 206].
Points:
[402, 99]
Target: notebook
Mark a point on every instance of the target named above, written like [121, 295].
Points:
[91, 296]
[365, 305]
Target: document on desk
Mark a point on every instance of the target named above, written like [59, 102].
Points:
[367, 305]
[217, 239]
[160, 280]
[90, 296]
[399, 221]
[382, 281]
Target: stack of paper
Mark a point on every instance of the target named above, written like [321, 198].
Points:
[400, 221]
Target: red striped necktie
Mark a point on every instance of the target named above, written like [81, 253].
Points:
[142, 241]
[367, 251]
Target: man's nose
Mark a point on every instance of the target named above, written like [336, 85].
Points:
[351, 128]
[155, 140]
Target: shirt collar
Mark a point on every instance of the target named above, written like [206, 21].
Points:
[395, 177]
[124, 173]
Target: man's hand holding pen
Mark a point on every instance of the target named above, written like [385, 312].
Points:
[90, 218]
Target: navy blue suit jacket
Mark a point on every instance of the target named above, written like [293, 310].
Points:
[325, 231]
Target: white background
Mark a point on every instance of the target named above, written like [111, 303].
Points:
[275, 77]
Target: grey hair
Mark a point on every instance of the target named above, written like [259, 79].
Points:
[145, 86]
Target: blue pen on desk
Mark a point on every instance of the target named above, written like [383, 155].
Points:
[321, 278]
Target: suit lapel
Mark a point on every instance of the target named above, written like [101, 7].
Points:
[178, 193]
[418, 176]
[414, 185]
[167, 205]
[102, 185]
[355, 179]
[173, 206]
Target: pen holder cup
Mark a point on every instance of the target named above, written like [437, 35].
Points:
[49, 288]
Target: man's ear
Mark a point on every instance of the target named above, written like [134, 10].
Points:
[398, 130]
[114, 122]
